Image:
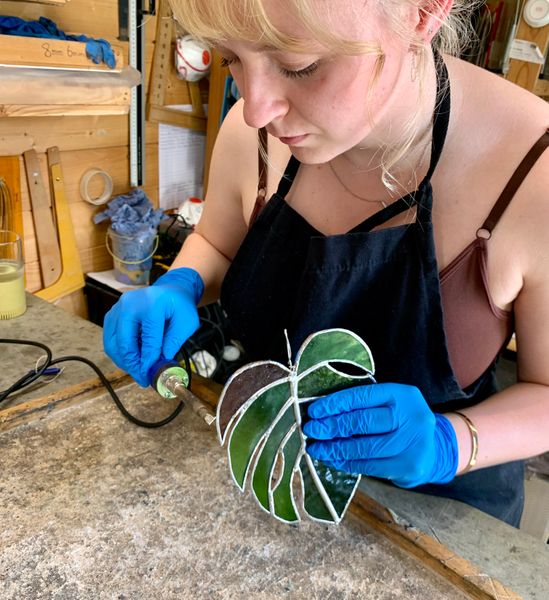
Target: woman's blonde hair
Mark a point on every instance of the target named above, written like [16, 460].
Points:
[213, 21]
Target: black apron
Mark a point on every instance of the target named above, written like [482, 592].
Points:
[384, 286]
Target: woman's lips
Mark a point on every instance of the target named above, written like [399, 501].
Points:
[292, 141]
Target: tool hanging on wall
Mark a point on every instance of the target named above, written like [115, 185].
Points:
[162, 71]
[44, 226]
[71, 278]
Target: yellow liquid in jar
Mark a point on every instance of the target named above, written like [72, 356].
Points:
[12, 291]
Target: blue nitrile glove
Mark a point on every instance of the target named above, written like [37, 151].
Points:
[385, 430]
[100, 51]
[152, 322]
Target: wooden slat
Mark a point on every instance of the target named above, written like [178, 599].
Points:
[27, 90]
[53, 54]
[44, 228]
[38, 408]
[18, 134]
[61, 110]
[56, 2]
[460, 572]
[71, 278]
[177, 117]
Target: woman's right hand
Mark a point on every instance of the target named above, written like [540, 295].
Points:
[151, 322]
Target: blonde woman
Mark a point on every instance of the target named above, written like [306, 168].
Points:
[370, 180]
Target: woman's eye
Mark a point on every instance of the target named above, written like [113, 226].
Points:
[301, 72]
[227, 62]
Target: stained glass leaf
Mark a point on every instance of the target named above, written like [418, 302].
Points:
[259, 417]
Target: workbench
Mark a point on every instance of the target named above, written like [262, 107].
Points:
[93, 506]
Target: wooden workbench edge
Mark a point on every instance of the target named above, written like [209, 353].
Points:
[432, 553]
[38, 408]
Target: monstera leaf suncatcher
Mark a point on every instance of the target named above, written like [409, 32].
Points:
[259, 415]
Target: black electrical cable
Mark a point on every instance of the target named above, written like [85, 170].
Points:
[26, 380]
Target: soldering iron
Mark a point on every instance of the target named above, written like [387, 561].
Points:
[167, 377]
[171, 380]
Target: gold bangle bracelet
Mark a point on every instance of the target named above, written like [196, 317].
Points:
[474, 441]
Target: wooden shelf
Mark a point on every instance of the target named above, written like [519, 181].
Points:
[26, 92]
[21, 51]
[55, 2]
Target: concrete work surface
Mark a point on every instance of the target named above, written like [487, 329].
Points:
[92, 506]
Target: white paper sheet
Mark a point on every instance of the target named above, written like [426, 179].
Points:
[180, 163]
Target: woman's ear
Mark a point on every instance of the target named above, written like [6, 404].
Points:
[432, 14]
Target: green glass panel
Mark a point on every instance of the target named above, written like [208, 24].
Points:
[252, 426]
[324, 380]
[264, 465]
[334, 345]
[338, 485]
[313, 502]
[283, 494]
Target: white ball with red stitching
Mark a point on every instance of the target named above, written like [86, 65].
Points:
[192, 58]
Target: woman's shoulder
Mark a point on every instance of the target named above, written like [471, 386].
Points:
[493, 125]
[494, 111]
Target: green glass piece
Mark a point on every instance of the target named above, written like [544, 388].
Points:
[283, 506]
[264, 465]
[338, 485]
[334, 345]
[313, 502]
[324, 380]
[253, 425]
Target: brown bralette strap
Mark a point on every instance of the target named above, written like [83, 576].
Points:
[514, 183]
[261, 152]
[261, 197]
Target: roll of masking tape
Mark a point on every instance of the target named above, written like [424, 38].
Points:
[107, 187]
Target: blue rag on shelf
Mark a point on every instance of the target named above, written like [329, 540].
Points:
[131, 214]
[97, 50]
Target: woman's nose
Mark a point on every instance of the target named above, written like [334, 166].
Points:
[264, 101]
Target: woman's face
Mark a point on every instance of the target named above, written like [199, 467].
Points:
[318, 102]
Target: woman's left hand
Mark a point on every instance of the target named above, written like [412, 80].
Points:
[385, 430]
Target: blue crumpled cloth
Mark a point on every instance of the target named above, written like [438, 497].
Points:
[98, 50]
[131, 214]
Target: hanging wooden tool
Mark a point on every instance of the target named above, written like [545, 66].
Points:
[44, 228]
[11, 210]
[163, 71]
[71, 278]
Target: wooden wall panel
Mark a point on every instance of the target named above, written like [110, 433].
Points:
[90, 238]
[85, 142]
